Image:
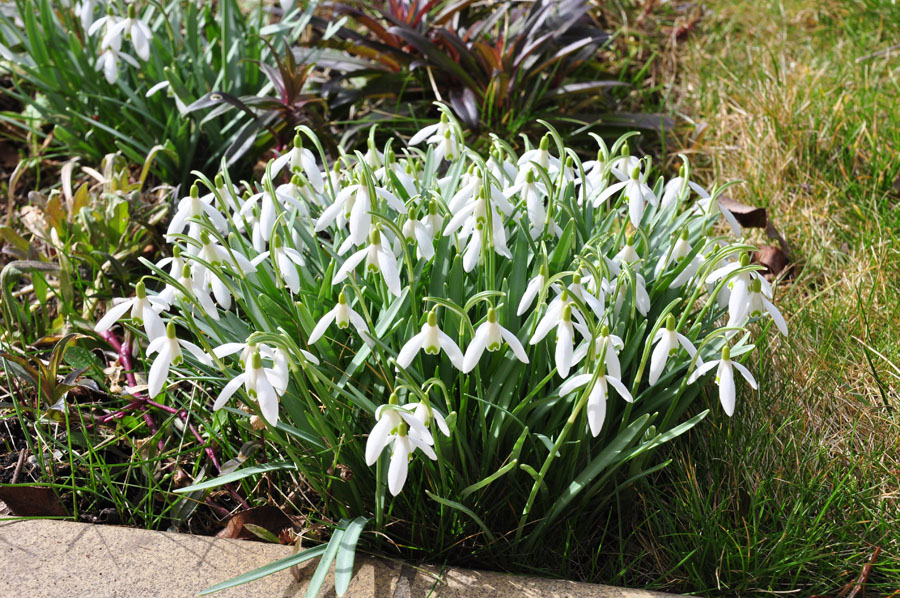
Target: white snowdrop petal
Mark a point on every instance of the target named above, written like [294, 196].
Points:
[159, 371]
[113, 315]
[229, 390]
[409, 350]
[702, 369]
[746, 374]
[725, 377]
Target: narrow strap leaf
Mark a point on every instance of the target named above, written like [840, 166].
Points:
[343, 565]
[294, 559]
[491, 478]
[463, 509]
[237, 475]
[318, 578]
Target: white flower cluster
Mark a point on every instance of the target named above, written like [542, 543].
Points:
[113, 29]
[372, 227]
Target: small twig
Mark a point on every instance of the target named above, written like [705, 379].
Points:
[15, 476]
[887, 50]
[852, 589]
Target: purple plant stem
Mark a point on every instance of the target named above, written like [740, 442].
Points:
[124, 352]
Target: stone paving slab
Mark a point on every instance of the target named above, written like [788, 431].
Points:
[50, 559]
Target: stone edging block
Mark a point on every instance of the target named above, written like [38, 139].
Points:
[44, 559]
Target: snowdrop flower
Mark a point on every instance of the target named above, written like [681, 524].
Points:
[636, 192]
[144, 312]
[596, 176]
[725, 378]
[680, 250]
[576, 288]
[471, 221]
[343, 315]
[610, 343]
[596, 403]
[132, 28]
[443, 136]
[619, 287]
[165, 85]
[624, 164]
[230, 195]
[379, 258]
[204, 277]
[107, 23]
[559, 315]
[398, 426]
[431, 340]
[490, 335]
[537, 157]
[108, 62]
[261, 383]
[169, 352]
[416, 231]
[373, 157]
[756, 305]
[471, 187]
[667, 341]
[355, 203]
[300, 159]
[191, 289]
[675, 187]
[270, 206]
[402, 173]
[532, 289]
[246, 351]
[84, 10]
[533, 194]
[287, 260]
[193, 207]
[426, 414]
[627, 255]
[739, 286]
[434, 221]
[500, 168]
[711, 205]
[214, 254]
[298, 195]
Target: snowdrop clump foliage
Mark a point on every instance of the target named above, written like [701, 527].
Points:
[483, 341]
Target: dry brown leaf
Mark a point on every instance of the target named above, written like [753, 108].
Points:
[747, 216]
[268, 517]
[32, 501]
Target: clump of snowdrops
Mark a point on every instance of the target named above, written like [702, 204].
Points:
[469, 352]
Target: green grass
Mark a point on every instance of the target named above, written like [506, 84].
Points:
[795, 492]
